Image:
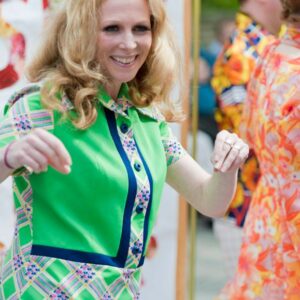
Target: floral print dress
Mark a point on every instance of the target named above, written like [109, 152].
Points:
[269, 264]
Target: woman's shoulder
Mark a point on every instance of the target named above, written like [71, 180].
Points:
[24, 110]
[25, 100]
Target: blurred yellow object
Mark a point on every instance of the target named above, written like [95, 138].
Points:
[6, 30]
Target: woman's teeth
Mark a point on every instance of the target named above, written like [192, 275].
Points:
[124, 60]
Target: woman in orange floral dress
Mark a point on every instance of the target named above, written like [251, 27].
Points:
[269, 263]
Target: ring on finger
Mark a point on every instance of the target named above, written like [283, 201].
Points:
[28, 169]
[228, 142]
[237, 147]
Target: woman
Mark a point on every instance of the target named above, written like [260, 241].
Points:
[269, 262]
[90, 152]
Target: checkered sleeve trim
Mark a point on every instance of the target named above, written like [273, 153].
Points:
[19, 121]
[173, 149]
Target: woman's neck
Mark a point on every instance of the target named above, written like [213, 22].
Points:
[113, 90]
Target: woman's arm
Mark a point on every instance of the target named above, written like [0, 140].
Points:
[210, 194]
[5, 172]
[37, 150]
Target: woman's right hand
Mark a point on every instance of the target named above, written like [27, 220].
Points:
[37, 150]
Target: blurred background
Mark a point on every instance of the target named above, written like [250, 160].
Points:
[17, 44]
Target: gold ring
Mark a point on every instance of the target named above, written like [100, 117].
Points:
[28, 170]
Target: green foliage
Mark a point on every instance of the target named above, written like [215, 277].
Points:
[220, 4]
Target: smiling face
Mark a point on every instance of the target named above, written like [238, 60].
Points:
[124, 40]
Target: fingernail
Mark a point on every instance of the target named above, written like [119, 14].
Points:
[67, 169]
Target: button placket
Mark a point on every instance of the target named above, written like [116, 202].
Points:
[139, 208]
[123, 123]
[138, 219]
[137, 166]
[124, 128]
[141, 198]
[137, 248]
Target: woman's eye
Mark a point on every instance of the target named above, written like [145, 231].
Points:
[111, 28]
[141, 28]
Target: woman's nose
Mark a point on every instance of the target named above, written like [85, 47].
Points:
[128, 41]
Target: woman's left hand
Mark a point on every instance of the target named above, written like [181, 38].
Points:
[230, 152]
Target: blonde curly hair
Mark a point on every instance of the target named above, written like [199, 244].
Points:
[66, 62]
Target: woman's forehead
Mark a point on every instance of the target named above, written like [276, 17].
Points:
[128, 8]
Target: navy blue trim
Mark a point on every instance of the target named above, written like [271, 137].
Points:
[132, 188]
[95, 258]
[74, 255]
[147, 217]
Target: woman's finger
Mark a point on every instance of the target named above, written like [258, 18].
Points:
[30, 163]
[56, 145]
[37, 143]
[223, 146]
[39, 149]
[231, 157]
[240, 159]
[218, 146]
[39, 158]
[234, 158]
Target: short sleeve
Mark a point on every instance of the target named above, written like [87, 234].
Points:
[13, 126]
[21, 117]
[173, 149]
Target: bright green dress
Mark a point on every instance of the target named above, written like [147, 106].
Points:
[84, 235]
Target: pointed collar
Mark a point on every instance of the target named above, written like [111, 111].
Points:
[245, 23]
[119, 106]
